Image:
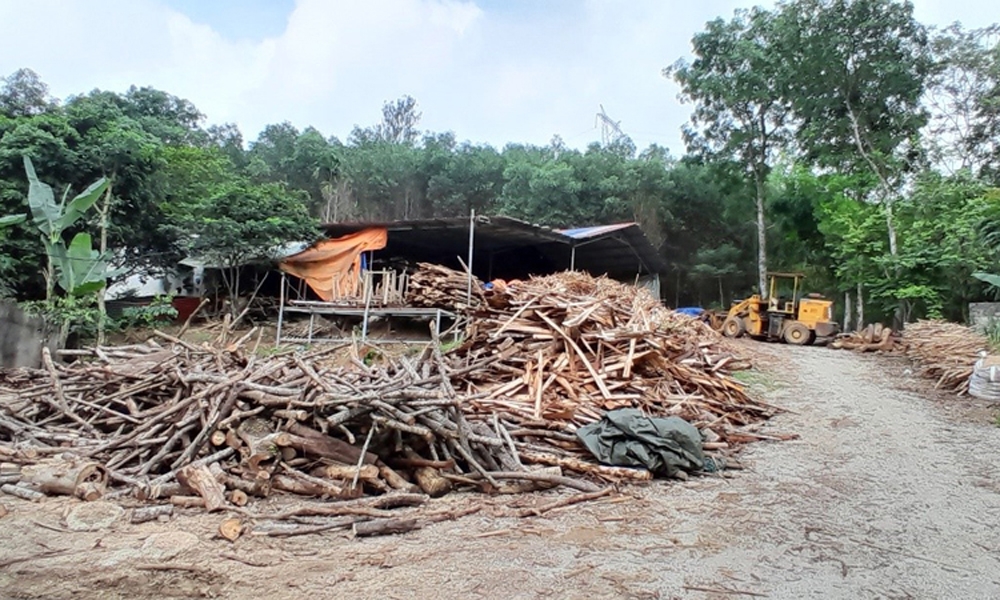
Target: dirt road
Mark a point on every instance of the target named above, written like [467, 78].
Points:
[886, 495]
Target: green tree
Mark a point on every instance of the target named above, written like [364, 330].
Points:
[963, 122]
[246, 223]
[857, 95]
[741, 113]
[24, 94]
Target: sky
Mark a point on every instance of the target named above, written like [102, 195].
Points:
[491, 71]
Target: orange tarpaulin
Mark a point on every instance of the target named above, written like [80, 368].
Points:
[332, 268]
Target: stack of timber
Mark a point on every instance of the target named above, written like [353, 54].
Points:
[945, 352]
[873, 338]
[562, 350]
[436, 286]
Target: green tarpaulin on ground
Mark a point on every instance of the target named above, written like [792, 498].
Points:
[628, 438]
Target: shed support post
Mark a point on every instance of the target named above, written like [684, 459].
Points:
[281, 310]
[472, 234]
[572, 257]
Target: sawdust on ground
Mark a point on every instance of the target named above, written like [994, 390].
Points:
[889, 493]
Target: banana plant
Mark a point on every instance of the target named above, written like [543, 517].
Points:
[11, 220]
[52, 219]
[82, 270]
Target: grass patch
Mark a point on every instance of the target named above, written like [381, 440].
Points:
[755, 379]
[451, 344]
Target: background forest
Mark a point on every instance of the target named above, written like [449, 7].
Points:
[841, 138]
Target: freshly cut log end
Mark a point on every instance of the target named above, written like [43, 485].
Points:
[73, 477]
[431, 482]
[231, 529]
[238, 498]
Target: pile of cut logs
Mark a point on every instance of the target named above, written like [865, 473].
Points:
[436, 286]
[945, 352]
[214, 424]
[873, 338]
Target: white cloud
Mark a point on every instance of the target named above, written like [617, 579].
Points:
[489, 74]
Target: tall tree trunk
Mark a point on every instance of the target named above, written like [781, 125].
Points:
[50, 275]
[887, 199]
[761, 235]
[847, 311]
[860, 324]
[722, 297]
[102, 318]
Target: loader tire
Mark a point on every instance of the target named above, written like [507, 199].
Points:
[798, 334]
[733, 327]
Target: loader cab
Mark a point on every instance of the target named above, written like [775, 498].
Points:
[784, 293]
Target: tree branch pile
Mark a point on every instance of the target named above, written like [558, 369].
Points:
[943, 351]
[155, 416]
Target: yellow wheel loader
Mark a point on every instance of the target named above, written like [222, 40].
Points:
[797, 319]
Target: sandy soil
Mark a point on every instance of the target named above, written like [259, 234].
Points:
[889, 493]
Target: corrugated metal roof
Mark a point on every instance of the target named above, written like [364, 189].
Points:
[581, 233]
[506, 245]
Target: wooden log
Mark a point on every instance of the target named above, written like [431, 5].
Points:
[238, 498]
[577, 484]
[423, 462]
[188, 501]
[312, 442]
[429, 478]
[395, 480]
[588, 468]
[73, 477]
[346, 472]
[21, 492]
[201, 480]
[287, 483]
[231, 528]
[158, 491]
[384, 527]
[259, 486]
[151, 513]
[525, 486]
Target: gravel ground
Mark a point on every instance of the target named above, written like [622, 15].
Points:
[887, 494]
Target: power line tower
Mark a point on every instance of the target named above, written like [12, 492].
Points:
[611, 130]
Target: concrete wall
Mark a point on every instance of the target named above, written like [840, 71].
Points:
[22, 337]
[982, 313]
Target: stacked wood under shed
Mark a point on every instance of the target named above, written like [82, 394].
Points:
[436, 286]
